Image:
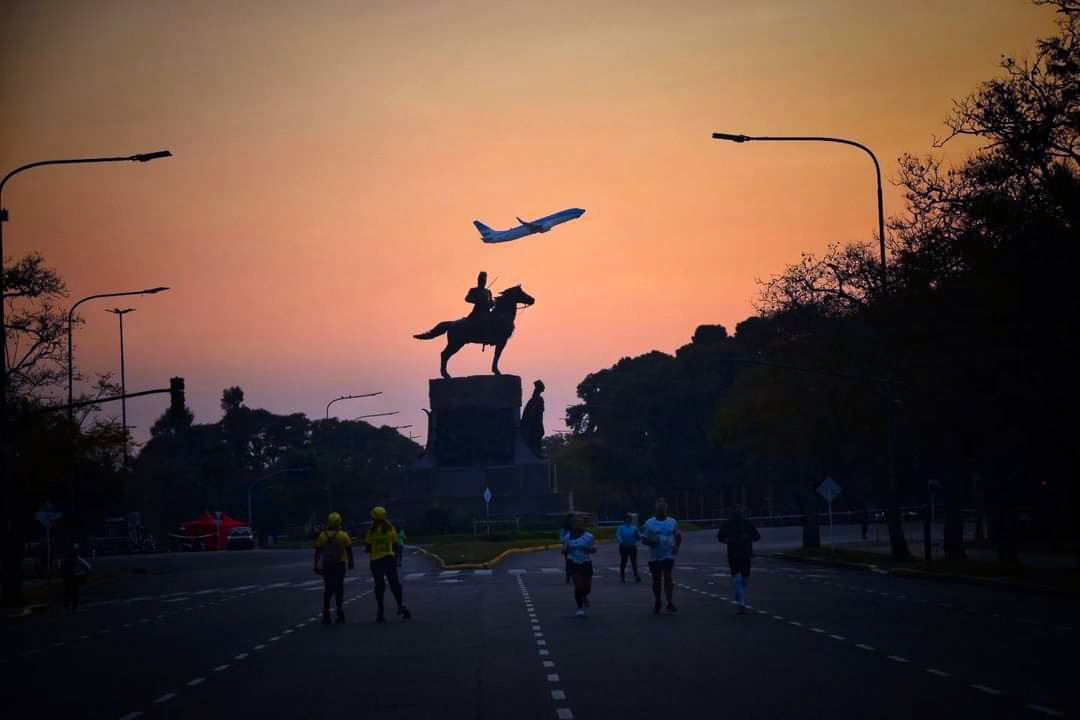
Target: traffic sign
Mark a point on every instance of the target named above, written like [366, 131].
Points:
[487, 495]
[829, 489]
[47, 516]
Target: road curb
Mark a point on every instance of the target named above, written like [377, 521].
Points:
[922, 574]
[485, 565]
[25, 611]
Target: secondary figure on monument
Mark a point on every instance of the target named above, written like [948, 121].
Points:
[532, 420]
[489, 323]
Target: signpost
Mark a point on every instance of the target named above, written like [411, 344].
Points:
[48, 516]
[487, 503]
[829, 489]
[931, 486]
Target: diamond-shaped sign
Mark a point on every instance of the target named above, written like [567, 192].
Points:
[487, 495]
[829, 489]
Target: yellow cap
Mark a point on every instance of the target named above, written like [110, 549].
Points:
[378, 512]
[334, 521]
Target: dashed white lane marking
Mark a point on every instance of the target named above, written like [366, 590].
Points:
[864, 647]
[838, 637]
[549, 664]
[558, 695]
[795, 623]
[289, 631]
[985, 689]
[84, 637]
[541, 643]
[414, 575]
[538, 634]
[545, 652]
[1045, 710]
[132, 715]
[939, 673]
[483, 572]
[258, 647]
[275, 638]
[165, 698]
[777, 617]
[817, 630]
[241, 656]
[763, 612]
[196, 681]
[1029, 622]
[564, 714]
[553, 677]
[219, 668]
[449, 573]
[897, 658]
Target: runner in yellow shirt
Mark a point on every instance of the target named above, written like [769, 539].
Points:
[380, 542]
[334, 548]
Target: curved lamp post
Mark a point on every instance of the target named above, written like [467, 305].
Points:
[349, 397]
[70, 320]
[732, 137]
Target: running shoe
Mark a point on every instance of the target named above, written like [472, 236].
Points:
[340, 616]
[671, 608]
[580, 612]
[404, 612]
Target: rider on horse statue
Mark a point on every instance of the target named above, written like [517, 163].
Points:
[481, 300]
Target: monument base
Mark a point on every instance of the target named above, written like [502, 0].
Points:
[473, 445]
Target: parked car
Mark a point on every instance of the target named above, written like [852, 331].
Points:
[240, 538]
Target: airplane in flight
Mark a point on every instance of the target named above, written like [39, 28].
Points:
[541, 225]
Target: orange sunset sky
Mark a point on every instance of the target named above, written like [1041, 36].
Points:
[330, 157]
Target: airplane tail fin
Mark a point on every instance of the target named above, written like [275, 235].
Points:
[485, 231]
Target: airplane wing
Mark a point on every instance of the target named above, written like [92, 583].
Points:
[533, 227]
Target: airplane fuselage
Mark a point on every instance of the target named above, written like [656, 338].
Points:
[541, 225]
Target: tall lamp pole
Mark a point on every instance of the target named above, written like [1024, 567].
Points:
[71, 320]
[123, 378]
[349, 397]
[732, 137]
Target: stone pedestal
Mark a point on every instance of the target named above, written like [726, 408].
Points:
[474, 444]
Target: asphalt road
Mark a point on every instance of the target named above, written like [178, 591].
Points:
[236, 635]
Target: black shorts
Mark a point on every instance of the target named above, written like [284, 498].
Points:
[665, 566]
[584, 568]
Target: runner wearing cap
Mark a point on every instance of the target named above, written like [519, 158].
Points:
[380, 541]
[333, 548]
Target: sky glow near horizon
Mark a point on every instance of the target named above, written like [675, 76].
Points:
[330, 158]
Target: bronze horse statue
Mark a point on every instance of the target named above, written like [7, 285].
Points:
[500, 326]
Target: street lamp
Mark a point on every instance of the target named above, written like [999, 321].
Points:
[382, 414]
[400, 427]
[731, 137]
[349, 397]
[70, 320]
[123, 378]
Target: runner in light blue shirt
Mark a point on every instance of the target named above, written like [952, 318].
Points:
[579, 546]
[627, 535]
[662, 536]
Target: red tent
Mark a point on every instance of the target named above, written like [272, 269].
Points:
[212, 530]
